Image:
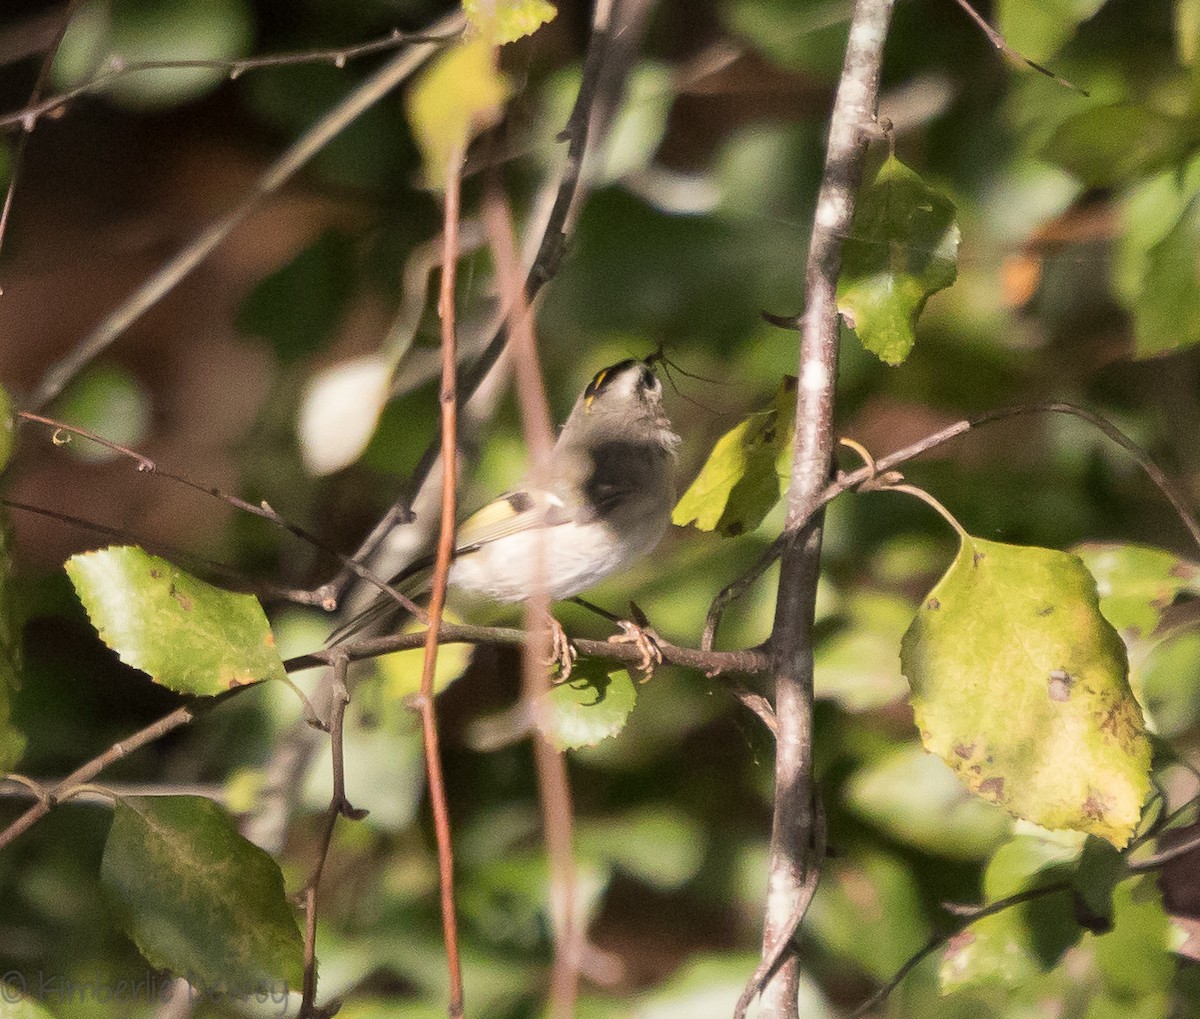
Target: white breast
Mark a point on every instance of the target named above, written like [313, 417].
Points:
[564, 560]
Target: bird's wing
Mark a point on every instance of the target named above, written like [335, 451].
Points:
[520, 510]
[512, 513]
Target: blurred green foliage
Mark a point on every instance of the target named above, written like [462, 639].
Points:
[1077, 280]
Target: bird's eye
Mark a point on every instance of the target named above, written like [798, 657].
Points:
[650, 380]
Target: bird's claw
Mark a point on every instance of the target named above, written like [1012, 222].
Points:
[645, 640]
[562, 651]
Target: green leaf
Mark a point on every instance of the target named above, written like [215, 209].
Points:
[917, 800]
[1020, 685]
[8, 428]
[198, 899]
[874, 892]
[590, 706]
[1037, 29]
[1137, 583]
[1009, 948]
[1167, 682]
[1105, 145]
[857, 665]
[1135, 957]
[458, 94]
[185, 633]
[1166, 314]
[13, 1001]
[1100, 869]
[298, 305]
[903, 247]
[740, 482]
[508, 20]
[659, 845]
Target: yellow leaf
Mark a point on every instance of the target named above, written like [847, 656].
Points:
[504, 21]
[460, 94]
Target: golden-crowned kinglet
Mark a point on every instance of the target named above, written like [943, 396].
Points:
[603, 501]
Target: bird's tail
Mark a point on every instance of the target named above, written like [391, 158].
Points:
[384, 614]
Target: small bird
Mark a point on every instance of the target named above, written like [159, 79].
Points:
[603, 501]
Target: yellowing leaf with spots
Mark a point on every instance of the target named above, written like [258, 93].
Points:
[1021, 686]
[185, 633]
[504, 21]
[458, 95]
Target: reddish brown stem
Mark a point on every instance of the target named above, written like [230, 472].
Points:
[441, 572]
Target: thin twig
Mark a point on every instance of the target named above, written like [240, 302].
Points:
[939, 940]
[178, 718]
[791, 861]
[749, 662]
[339, 806]
[848, 480]
[396, 70]
[37, 108]
[145, 465]
[997, 40]
[448, 403]
[27, 123]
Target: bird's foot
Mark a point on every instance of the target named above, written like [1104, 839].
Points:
[562, 651]
[643, 637]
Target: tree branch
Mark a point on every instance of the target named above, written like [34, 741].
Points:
[793, 824]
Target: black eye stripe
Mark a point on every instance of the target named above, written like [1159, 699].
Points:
[605, 376]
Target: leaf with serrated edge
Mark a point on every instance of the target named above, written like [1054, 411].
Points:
[197, 898]
[902, 248]
[1021, 686]
[740, 483]
[184, 633]
[509, 20]
[590, 706]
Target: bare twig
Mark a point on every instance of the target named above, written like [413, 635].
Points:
[775, 953]
[178, 718]
[448, 403]
[27, 123]
[263, 510]
[997, 40]
[37, 107]
[853, 479]
[339, 806]
[750, 662]
[791, 862]
[401, 66]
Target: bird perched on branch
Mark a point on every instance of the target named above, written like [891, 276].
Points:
[602, 501]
